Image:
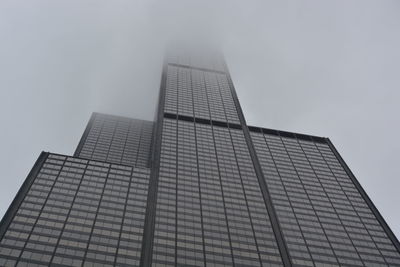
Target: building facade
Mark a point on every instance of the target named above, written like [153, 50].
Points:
[196, 187]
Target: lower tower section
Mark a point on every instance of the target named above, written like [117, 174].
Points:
[76, 212]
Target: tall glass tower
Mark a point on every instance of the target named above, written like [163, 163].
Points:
[196, 187]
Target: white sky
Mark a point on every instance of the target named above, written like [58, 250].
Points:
[328, 68]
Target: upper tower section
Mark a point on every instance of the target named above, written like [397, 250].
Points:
[117, 140]
[197, 85]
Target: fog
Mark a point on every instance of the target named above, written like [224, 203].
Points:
[328, 68]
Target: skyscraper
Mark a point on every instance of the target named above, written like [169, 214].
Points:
[196, 187]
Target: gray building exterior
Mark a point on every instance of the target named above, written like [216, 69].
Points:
[117, 140]
[196, 187]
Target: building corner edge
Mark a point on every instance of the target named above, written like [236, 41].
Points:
[19, 197]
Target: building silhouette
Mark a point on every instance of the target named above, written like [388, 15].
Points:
[196, 187]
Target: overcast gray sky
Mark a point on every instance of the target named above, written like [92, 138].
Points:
[328, 68]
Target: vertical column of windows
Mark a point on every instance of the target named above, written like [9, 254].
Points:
[200, 104]
[103, 242]
[189, 228]
[171, 90]
[78, 226]
[214, 98]
[185, 99]
[295, 240]
[308, 221]
[132, 143]
[71, 176]
[41, 243]
[165, 222]
[144, 150]
[266, 242]
[243, 242]
[103, 143]
[216, 234]
[118, 141]
[91, 139]
[226, 96]
[131, 231]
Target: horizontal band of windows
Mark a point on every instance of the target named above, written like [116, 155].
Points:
[138, 219]
[202, 121]
[101, 164]
[135, 205]
[31, 261]
[299, 136]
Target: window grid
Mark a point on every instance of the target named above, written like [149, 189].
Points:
[201, 94]
[204, 215]
[382, 242]
[118, 140]
[310, 191]
[74, 204]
